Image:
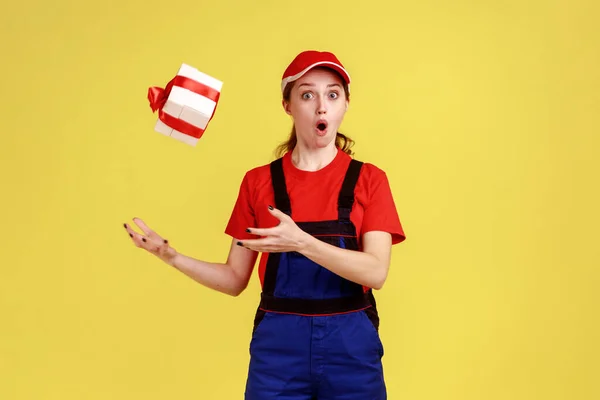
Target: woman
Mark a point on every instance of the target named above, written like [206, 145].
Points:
[325, 224]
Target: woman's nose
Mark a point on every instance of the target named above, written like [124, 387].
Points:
[321, 106]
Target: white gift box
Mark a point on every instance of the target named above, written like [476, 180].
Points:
[188, 106]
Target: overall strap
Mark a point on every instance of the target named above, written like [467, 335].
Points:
[282, 200]
[346, 197]
[282, 203]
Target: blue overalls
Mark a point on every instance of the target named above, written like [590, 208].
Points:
[315, 334]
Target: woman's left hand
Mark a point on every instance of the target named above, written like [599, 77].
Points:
[286, 236]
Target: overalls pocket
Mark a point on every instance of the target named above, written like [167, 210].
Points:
[374, 333]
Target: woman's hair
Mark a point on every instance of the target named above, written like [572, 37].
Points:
[341, 141]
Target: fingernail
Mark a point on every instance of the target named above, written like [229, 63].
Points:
[270, 207]
[239, 244]
[130, 235]
[143, 239]
[166, 241]
[247, 230]
[125, 226]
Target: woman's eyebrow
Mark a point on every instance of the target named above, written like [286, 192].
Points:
[312, 84]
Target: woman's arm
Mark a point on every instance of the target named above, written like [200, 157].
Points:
[368, 267]
[231, 277]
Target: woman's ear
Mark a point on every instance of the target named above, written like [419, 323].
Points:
[286, 107]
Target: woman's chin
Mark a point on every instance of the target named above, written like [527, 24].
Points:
[324, 141]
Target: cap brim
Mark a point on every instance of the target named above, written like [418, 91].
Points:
[336, 67]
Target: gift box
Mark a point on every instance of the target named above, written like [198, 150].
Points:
[186, 105]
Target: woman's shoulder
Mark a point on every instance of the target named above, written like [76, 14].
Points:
[258, 173]
[370, 171]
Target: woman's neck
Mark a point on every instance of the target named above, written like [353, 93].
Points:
[313, 159]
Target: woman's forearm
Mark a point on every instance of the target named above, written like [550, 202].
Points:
[216, 276]
[356, 266]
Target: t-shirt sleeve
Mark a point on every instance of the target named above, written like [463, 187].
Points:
[242, 216]
[380, 213]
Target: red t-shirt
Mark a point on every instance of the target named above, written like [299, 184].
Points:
[313, 197]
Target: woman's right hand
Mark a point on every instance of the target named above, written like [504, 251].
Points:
[152, 242]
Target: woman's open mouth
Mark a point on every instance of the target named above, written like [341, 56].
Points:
[321, 127]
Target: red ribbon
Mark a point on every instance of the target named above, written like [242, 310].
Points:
[158, 97]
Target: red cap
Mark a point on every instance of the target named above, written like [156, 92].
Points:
[309, 59]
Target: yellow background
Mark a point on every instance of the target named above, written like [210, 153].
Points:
[484, 114]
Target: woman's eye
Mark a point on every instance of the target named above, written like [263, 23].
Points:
[306, 96]
[333, 95]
